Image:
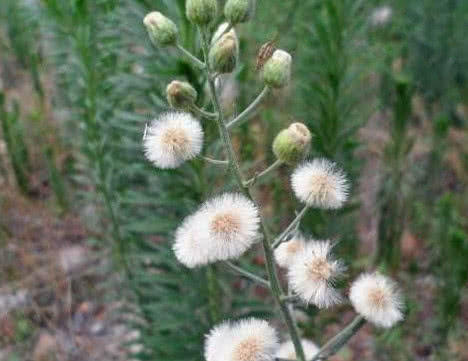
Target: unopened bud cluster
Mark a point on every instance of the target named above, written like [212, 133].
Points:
[239, 11]
[201, 12]
[277, 70]
[292, 144]
[224, 53]
[181, 95]
[161, 30]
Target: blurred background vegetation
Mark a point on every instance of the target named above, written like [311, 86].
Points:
[86, 224]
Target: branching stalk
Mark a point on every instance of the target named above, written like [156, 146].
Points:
[249, 110]
[337, 342]
[203, 113]
[248, 274]
[234, 165]
[291, 226]
[265, 172]
[216, 161]
[199, 64]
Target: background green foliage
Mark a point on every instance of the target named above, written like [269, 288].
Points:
[109, 81]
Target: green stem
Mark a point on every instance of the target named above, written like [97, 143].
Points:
[234, 165]
[215, 161]
[202, 112]
[265, 172]
[337, 342]
[199, 64]
[249, 110]
[213, 293]
[291, 226]
[247, 274]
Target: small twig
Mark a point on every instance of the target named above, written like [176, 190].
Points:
[249, 110]
[247, 274]
[215, 161]
[198, 63]
[337, 342]
[291, 227]
[270, 169]
[203, 113]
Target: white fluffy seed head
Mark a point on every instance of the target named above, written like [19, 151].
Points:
[286, 252]
[313, 274]
[190, 247]
[172, 139]
[286, 350]
[230, 223]
[223, 228]
[246, 340]
[216, 343]
[319, 183]
[377, 299]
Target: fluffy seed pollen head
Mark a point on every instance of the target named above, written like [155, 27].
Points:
[319, 183]
[286, 252]
[319, 269]
[172, 139]
[293, 246]
[378, 298]
[175, 139]
[248, 350]
[225, 223]
[313, 274]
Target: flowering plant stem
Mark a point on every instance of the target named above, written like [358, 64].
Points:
[291, 226]
[199, 64]
[234, 165]
[249, 110]
[202, 112]
[337, 342]
[215, 161]
[248, 274]
[265, 172]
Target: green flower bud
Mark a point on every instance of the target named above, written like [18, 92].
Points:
[223, 54]
[292, 144]
[277, 70]
[201, 12]
[239, 11]
[161, 30]
[181, 95]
